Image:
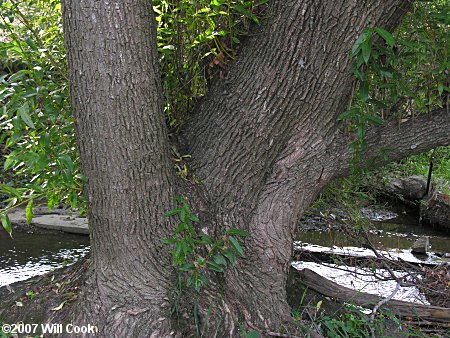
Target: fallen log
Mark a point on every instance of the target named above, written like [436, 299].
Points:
[400, 308]
[358, 258]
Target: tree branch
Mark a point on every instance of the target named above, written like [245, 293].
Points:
[395, 141]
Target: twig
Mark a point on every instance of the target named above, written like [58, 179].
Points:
[39, 40]
[377, 306]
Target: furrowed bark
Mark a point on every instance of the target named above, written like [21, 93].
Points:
[123, 144]
[415, 136]
[260, 142]
[264, 142]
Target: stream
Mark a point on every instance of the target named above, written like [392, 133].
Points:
[28, 255]
[393, 236]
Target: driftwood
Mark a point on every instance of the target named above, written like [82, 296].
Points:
[397, 307]
[303, 254]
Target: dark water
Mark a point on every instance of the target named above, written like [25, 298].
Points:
[28, 255]
[397, 233]
[394, 238]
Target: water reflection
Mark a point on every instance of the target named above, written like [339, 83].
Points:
[28, 255]
[384, 236]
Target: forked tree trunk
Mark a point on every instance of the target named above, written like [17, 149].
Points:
[264, 143]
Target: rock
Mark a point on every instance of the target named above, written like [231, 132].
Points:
[59, 220]
[436, 210]
[420, 246]
[411, 188]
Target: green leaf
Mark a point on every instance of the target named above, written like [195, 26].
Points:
[219, 260]
[199, 281]
[193, 218]
[375, 120]
[235, 40]
[365, 47]
[230, 256]
[6, 224]
[171, 212]
[386, 74]
[169, 240]
[67, 162]
[361, 131]
[236, 246]
[440, 88]
[241, 9]
[183, 213]
[348, 114]
[9, 162]
[10, 190]
[365, 35]
[29, 211]
[23, 111]
[187, 267]
[386, 36]
[359, 74]
[237, 232]
[364, 91]
[181, 227]
[206, 239]
[252, 334]
[215, 266]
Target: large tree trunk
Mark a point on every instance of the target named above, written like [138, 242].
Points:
[122, 138]
[264, 143]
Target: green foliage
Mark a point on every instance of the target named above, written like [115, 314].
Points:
[195, 39]
[420, 164]
[30, 294]
[195, 251]
[37, 128]
[6, 223]
[201, 331]
[399, 75]
[354, 323]
[39, 157]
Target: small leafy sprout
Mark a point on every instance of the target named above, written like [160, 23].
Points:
[30, 294]
[189, 245]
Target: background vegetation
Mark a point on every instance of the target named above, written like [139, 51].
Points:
[397, 76]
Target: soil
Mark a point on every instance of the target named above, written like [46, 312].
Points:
[45, 294]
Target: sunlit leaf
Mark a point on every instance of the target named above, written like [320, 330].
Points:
[6, 223]
[29, 211]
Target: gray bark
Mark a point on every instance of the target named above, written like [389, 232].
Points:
[264, 142]
[123, 144]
